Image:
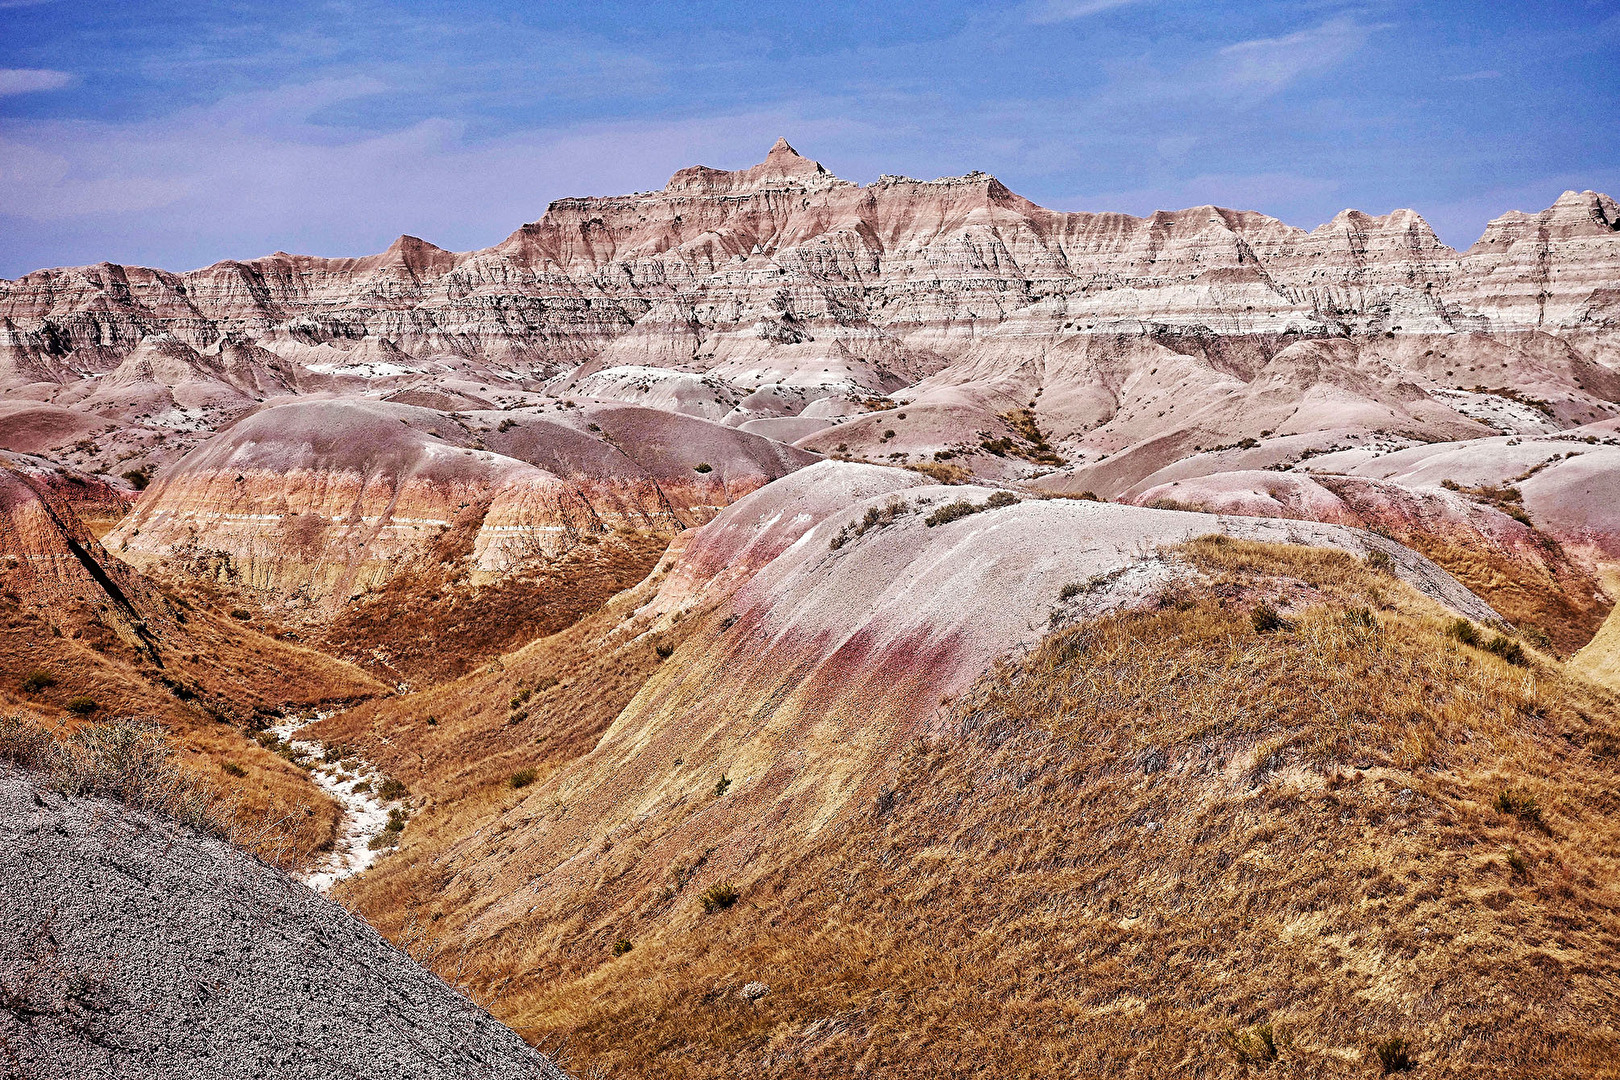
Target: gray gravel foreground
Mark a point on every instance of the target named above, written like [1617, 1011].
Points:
[133, 947]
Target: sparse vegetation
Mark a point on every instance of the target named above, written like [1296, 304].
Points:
[523, 778]
[702, 467]
[82, 705]
[875, 518]
[1520, 804]
[621, 946]
[391, 789]
[37, 680]
[1394, 1055]
[1265, 620]
[231, 768]
[127, 760]
[721, 785]
[718, 897]
[1261, 1044]
[962, 508]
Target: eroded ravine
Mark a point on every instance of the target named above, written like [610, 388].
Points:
[358, 787]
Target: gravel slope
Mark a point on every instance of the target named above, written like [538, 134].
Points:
[132, 947]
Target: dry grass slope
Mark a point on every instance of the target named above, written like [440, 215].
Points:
[1172, 843]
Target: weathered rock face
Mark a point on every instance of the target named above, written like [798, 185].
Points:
[785, 270]
[330, 496]
[131, 947]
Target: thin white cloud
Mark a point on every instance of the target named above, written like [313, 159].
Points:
[28, 80]
[1269, 64]
[1044, 12]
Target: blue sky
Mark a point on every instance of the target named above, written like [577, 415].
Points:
[176, 134]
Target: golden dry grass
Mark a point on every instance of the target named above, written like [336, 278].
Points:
[218, 678]
[1133, 848]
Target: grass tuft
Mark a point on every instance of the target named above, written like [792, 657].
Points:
[718, 897]
[1395, 1055]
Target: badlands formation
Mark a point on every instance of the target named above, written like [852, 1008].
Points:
[803, 628]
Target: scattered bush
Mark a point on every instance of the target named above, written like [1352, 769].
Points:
[391, 789]
[37, 680]
[523, 778]
[1071, 590]
[961, 508]
[1379, 562]
[663, 649]
[1519, 803]
[1260, 1045]
[1265, 619]
[233, 769]
[1507, 649]
[127, 760]
[396, 821]
[1361, 617]
[507, 424]
[702, 467]
[621, 946]
[1536, 636]
[137, 479]
[721, 785]
[82, 705]
[1464, 631]
[241, 614]
[1395, 1055]
[718, 897]
[1516, 862]
[874, 519]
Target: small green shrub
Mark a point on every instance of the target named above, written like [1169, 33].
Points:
[1000, 499]
[721, 785]
[1519, 803]
[1508, 649]
[1536, 636]
[1395, 1055]
[1071, 590]
[391, 789]
[1261, 1044]
[82, 705]
[622, 946]
[702, 467]
[1361, 617]
[718, 897]
[523, 778]
[1379, 562]
[37, 680]
[663, 649]
[1518, 864]
[233, 769]
[241, 614]
[396, 821]
[1464, 631]
[961, 508]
